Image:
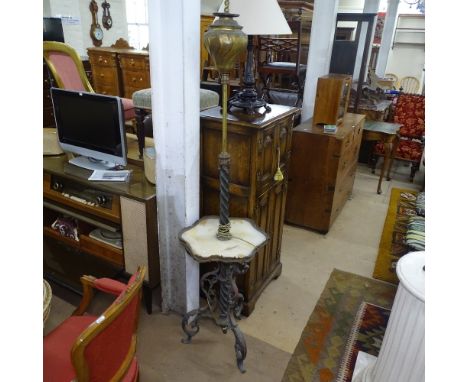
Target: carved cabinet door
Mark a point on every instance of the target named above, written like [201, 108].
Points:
[266, 158]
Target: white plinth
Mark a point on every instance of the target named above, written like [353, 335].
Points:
[401, 357]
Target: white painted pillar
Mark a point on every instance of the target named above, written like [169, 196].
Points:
[46, 12]
[370, 6]
[387, 37]
[174, 35]
[401, 357]
[320, 50]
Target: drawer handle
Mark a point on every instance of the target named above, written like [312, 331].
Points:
[132, 62]
[101, 75]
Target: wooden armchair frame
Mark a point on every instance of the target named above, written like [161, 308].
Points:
[54, 46]
[109, 315]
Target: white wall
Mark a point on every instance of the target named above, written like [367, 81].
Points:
[208, 7]
[403, 60]
[350, 6]
[78, 35]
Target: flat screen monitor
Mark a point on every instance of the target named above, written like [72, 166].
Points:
[91, 125]
[52, 29]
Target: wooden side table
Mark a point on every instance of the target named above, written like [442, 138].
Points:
[232, 258]
[375, 112]
[388, 133]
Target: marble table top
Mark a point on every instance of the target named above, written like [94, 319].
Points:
[382, 127]
[202, 244]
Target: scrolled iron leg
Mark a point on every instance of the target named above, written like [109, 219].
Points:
[191, 327]
[240, 347]
[230, 303]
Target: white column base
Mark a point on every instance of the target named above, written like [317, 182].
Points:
[364, 365]
[401, 357]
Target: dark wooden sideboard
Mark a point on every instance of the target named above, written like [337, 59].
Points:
[126, 207]
[322, 172]
[255, 147]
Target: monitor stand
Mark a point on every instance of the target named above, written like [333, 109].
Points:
[92, 164]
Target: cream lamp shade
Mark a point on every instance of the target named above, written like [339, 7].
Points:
[259, 17]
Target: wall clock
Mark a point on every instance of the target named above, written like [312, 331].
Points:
[106, 17]
[95, 32]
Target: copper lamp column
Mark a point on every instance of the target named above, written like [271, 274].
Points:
[224, 40]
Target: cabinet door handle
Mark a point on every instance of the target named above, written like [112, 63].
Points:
[278, 174]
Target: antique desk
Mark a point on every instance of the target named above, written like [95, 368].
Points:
[257, 146]
[387, 133]
[129, 208]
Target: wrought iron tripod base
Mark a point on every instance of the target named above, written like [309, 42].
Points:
[223, 309]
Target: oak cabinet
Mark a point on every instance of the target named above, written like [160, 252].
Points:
[256, 148]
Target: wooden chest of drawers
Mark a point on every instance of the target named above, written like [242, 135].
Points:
[254, 148]
[322, 171]
[106, 71]
[135, 69]
[118, 71]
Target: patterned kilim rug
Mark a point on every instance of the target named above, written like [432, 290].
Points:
[320, 355]
[366, 335]
[392, 242]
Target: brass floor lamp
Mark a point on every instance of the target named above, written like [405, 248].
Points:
[231, 243]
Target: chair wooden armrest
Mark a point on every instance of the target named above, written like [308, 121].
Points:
[104, 284]
[88, 293]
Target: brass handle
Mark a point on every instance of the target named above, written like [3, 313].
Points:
[278, 174]
[101, 75]
[132, 61]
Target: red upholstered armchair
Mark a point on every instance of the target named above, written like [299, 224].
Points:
[410, 112]
[67, 69]
[99, 349]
